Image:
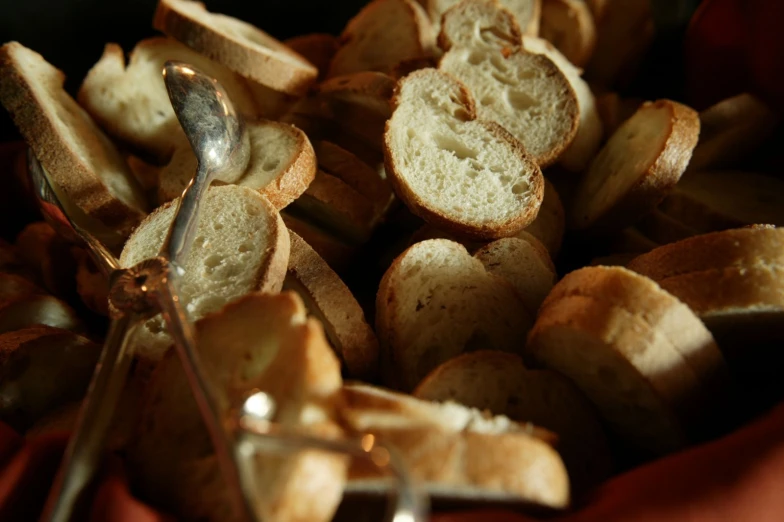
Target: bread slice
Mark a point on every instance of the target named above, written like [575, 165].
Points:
[460, 173]
[448, 447]
[406, 67]
[38, 309]
[525, 263]
[569, 25]
[14, 286]
[637, 167]
[282, 165]
[264, 343]
[238, 45]
[526, 93]
[329, 300]
[731, 129]
[663, 228]
[337, 253]
[712, 201]
[642, 387]
[383, 34]
[241, 246]
[500, 383]
[41, 369]
[130, 100]
[527, 13]
[435, 302]
[614, 110]
[590, 131]
[79, 158]
[478, 24]
[317, 48]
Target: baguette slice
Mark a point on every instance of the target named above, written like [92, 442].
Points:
[525, 263]
[731, 129]
[282, 165]
[614, 110]
[79, 158]
[569, 26]
[130, 100]
[460, 173]
[712, 201]
[238, 45]
[261, 343]
[478, 24]
[41, 369]
[500, 383]
[317, 48]
[14, 286]
[435, 302]
[38, 309]
[337, 253]
[241, 246]
[637, 167]
[527, 14]
[383, 34]
[329, 300]
[454, 449]
[590, 131]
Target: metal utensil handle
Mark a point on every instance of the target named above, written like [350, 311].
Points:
[82, 455]
[183, 229]
[184, 336]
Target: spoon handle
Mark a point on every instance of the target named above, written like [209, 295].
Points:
[83, 453]
[186, 218]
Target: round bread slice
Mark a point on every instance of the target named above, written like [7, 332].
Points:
[42, 369]
[241, 246]
[525, 13]
[500, 382]
[38, 309]
[637, 167]
[79, 158]
[383, 34]
[462, 174]
[569, 26]
[261, 342]
[317, 48]
[642, 387]
[435, 302]
[525, 263]
[476, 24]
[329, 300]
[238, 45]
[14, 286]
[282, 164]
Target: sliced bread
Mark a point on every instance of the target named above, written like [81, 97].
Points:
[130, 100]
[569, 26]
[264, 343]
[238, 45]
[80, 160]
[526, 12]
[435, 302]
[317, 48]
[383, 34]
[614, 110]
[500, 383]
[41, 369]
[479, 24]
[637, 167]
[329, 300]
[460, 173]
[282, 165]
[241, 246]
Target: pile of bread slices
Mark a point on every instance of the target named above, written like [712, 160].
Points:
[429, 142]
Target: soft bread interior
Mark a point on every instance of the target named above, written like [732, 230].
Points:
[526, 13]
[476, 24]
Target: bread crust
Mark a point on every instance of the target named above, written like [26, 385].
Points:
[242, 47]
[578, 43]
[317, 48]
[297, 177]
[68, 171]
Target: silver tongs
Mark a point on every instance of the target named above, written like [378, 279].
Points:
[217, 135]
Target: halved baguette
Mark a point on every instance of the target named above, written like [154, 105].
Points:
[500, 382]
[435, 302]
[458, 172]
[525, 93]
[712, 201]
[13, 286]
[38, 309]
[79, 158]
[731, 129]
[264, 343]
[317, 48]
[337, 253]
[238, 45]
[637, 167]
[526, 12]
[569, 26]
[383, 34]
[450, 448]
[282, 165]
[241, 246]
[130, 100]
[525, 263]
[41, 369]
[329, 300]
[590, 131]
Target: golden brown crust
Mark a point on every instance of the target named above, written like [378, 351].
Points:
[68, 171]
[239, 46]
[576, 40]
[292, 182]
[317, 48]
[510, 33]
